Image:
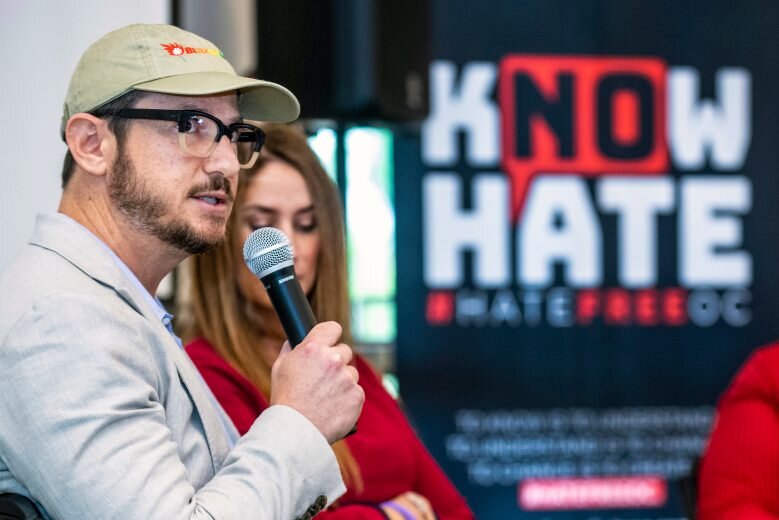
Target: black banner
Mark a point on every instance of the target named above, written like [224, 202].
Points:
[585, 245]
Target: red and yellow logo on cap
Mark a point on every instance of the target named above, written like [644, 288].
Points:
[176, 49]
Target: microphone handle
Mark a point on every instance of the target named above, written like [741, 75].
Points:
[291, 305]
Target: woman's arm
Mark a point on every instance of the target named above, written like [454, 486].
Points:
[429, 481]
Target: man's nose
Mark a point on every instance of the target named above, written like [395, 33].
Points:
[224, 159]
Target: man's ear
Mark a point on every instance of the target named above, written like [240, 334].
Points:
[91, 143]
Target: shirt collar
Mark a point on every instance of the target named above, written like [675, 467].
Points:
[159, 310]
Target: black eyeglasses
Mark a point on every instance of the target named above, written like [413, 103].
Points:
[200, 132]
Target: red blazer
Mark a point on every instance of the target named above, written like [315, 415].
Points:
[391, 457]
[739, 473]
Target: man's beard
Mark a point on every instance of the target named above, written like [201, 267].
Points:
[146, 211]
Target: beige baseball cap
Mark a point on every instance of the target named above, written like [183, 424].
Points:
[169, 60]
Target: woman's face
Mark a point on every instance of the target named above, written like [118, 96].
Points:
[277, 196]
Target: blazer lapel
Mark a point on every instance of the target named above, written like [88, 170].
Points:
[76, 244]
[212, 424]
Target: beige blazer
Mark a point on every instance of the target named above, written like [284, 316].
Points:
[102, 415]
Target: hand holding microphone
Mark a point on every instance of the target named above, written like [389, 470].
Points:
[315, 378]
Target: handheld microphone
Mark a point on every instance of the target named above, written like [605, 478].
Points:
[268, 254]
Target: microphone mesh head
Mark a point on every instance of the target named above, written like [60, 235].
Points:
[266, 248]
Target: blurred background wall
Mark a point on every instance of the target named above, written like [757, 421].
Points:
[42, 43]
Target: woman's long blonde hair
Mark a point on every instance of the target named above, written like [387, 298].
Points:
[213, 308]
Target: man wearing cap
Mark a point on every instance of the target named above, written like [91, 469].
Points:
[101, 413]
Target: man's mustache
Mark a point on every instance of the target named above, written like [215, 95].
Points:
[215, 183]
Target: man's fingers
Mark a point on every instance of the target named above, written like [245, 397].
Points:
[327, 332]
[285, 349]
[344, 351]
[283, 353]
[311, 379]
[353, 372]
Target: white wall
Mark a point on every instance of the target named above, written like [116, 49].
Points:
[42, 41]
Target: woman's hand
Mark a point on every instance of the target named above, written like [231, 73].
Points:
[408, 506]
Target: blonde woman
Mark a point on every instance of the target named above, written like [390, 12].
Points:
[234, 336]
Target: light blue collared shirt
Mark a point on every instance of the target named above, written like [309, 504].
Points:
[167, 320]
